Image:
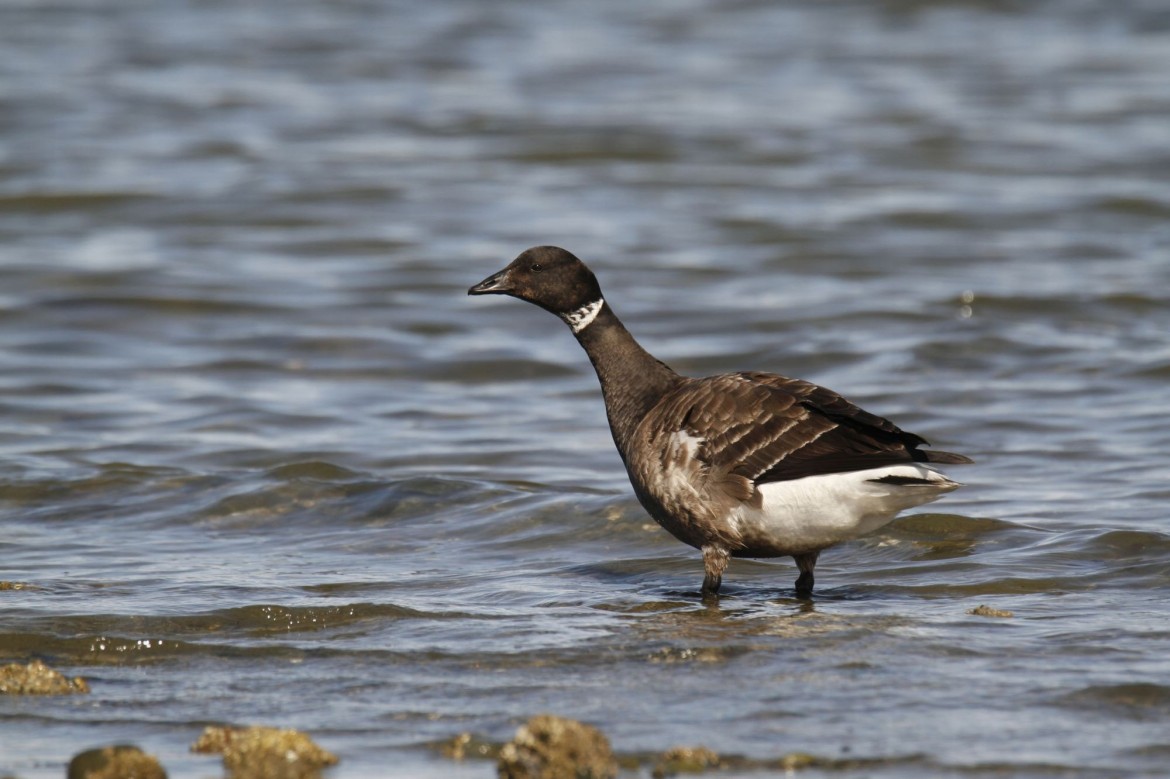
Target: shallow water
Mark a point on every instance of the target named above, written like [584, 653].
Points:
[264, 462]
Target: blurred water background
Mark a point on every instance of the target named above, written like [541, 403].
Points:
[264, 462]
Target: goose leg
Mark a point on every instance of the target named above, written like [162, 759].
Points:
[714, 563]
[806, 563]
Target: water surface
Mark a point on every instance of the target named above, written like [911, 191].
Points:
[264, 461]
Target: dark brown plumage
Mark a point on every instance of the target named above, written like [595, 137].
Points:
[769, 428]
[738, 465]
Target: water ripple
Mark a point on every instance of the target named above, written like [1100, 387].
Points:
[265, 461]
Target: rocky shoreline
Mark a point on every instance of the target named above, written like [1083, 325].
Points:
[545, 747]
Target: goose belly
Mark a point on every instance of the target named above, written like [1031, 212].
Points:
[809, 514]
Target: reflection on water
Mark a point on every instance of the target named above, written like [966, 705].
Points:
[263, 462]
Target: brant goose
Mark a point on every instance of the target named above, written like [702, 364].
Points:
[737, 465]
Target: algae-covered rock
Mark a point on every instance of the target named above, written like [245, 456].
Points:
[988, 611]
[550, 747]
[465, 745]
[795, 761]
[685, 760]
[265, 753]
[36, 678]
[121, 761]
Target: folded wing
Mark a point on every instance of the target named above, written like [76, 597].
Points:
[756, 428]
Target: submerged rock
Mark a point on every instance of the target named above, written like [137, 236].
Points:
[685, 760]
[265, 753]
[465, 745]
[988, 611]
[121, 761]
[795, 761]
[551, 747]
[36, 678]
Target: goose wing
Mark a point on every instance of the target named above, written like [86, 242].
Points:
[755, 428]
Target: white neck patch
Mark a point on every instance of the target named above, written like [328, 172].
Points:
[583, 317]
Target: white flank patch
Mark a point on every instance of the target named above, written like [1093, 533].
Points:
[687, 443]
[818, 511]
[681, 464]
[583, 317]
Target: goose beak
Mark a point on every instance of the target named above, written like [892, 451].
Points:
[495, 284]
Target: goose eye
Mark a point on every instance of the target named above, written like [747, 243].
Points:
[536, 267]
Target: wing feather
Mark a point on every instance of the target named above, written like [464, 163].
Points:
[756, 428]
